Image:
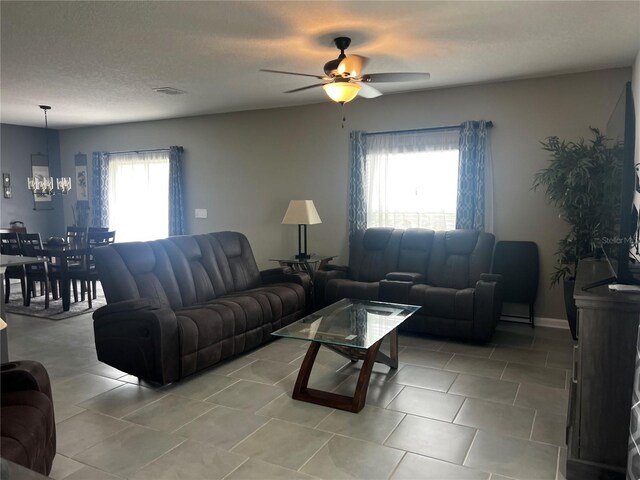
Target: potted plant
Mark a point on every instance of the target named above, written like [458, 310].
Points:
[583, 181]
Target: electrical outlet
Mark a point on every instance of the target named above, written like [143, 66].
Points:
[201, 213]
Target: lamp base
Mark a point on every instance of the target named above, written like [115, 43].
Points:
[303, 256]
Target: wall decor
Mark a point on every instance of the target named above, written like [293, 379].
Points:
[82, 193]
[40, 174]
[6, 185]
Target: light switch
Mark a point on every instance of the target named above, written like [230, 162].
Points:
[201, 213]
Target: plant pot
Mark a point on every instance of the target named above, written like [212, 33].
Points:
[570, 305]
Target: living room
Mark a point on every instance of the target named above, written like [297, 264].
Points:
[244, 161]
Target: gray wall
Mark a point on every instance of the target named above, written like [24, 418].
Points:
[16, 146]
[245, 167]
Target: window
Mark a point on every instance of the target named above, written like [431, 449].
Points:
[412, 179]
[139, 195]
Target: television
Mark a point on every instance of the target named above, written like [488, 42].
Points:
[622, 128]
[624, 249]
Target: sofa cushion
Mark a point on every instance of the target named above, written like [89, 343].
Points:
[374, 253]
[207, 333]
[235, 260]
[340, 288]
[459, 257]
[443, 302]
[27, 426]
[415, 250]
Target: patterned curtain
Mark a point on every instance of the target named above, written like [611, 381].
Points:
[357, 194]
[633, 457]
[471, 176]
[176, 208]
[100, 190]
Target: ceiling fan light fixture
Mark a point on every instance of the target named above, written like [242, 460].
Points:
[342, 92]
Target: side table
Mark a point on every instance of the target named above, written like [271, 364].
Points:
[308, 265]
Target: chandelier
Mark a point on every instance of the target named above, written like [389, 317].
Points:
[41, 185]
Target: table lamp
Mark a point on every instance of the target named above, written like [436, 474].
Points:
[301, 213]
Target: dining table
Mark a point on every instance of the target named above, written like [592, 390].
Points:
[62, 252]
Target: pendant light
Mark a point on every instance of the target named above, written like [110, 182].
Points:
[41, 186]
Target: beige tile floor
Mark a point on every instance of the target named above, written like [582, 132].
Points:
[452, 410]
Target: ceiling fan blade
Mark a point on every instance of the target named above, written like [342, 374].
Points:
[395, 77]
[295, 73]
[304, 88]
[367, 91]
[353, 65]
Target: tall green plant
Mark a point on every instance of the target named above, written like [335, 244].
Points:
[583, 181]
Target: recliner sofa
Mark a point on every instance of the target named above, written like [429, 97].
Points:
[179, 305]
[446, 273]
[27, 422]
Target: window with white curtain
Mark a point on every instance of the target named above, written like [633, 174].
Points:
[412, 179]
[139, 195]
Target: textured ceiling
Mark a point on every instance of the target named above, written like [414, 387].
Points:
[97, 62]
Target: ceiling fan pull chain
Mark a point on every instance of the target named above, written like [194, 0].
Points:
[344, 117]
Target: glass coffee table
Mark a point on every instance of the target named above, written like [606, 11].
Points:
[355, 329]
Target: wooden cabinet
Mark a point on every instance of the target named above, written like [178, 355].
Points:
[602, 377]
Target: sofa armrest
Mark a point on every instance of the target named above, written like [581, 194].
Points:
[491, 277]
[330, 267]
[24, 375]
[395, 291]
[286, 275]
[320, 281]
[487, 307]
[138, 337]
[126, 306]
[412, 277]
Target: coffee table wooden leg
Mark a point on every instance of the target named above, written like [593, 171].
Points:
[305, 371]
[329, 399]
[393, 348]
[360, 394]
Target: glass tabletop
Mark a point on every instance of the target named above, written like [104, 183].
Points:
[349, 322]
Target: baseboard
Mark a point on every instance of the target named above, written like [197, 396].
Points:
[544, 322]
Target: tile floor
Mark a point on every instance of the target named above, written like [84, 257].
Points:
[451, 411]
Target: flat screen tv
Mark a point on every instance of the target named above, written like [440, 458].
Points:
[624, 249]
[622, 128]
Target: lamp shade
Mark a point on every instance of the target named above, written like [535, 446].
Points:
[342, 92]
[301, 212]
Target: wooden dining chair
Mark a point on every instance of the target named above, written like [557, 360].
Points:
[31, 246]
[76, 236]
[10, 245]
[87, 274]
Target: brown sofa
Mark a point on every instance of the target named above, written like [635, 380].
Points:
[443, 272]
[178, 305]
[27, 423]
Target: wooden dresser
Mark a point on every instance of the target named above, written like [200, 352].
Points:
[602, 379]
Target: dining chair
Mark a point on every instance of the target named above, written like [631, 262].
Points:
[98, 229]
[31, 246]
[10, 245]
[76, 235]
[87, 273]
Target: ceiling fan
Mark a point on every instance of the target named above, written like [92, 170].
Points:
[343, 79]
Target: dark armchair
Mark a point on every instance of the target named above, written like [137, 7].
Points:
[27, 428]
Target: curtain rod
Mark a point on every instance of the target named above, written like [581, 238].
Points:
[139, 151]
[419, 130]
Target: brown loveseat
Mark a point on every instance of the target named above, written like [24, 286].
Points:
[27, 423]
[443, 272]
[178, 305]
